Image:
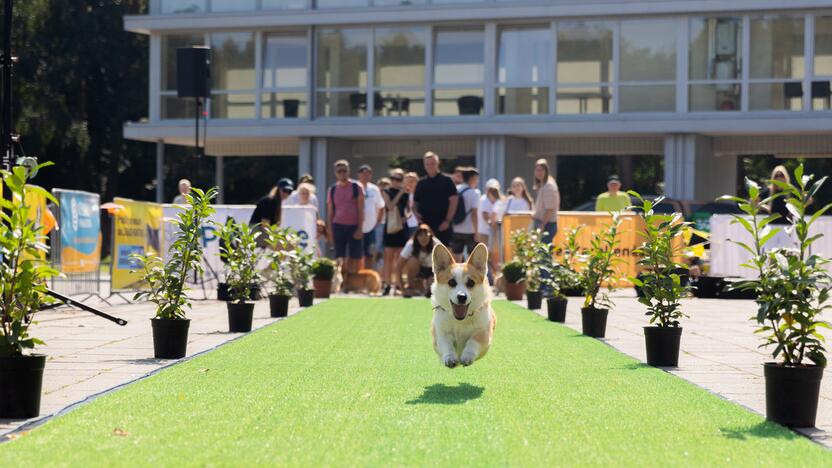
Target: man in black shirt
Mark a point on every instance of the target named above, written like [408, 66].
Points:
[435, 199]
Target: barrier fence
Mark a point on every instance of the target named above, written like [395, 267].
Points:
[76, 245]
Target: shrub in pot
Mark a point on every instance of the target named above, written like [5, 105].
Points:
[598, 268]
[535, 255]
[24, 272]
[660, 283]
[323, 269]
[239, 252]
[278, 277]
[514, 274]
[793, 289]
[166, 280]
[571, 283]
[556, 302]
[300, 265]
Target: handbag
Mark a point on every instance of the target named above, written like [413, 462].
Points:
[394, 223]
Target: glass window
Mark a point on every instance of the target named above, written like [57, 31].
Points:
[171, 42]
[584, 100]
[459, 57]
[283, 105]
[399, 2]
[714, 97]
[648, 50]
[399, 103]
[585, 52]
[341, 103]
[776, 47]
[284, 61]
[823, 46]
[525, 55]
[647, 98]
[283, 4]
[183, 6]
[232, 60]
[342, 58]
[232, 106]
[236, 5]
[531, 101]
[715, 48]
[341, 3]
[400, 57]
[457, 102]
[175, 108]
[775, 96]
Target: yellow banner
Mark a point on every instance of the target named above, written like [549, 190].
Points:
[137, 229]
[511, 223]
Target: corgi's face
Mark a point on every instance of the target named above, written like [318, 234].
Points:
[460, 287]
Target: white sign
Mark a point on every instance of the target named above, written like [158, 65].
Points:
[303, 219]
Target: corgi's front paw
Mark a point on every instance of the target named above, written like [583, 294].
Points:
[450, 361]
[467, 359]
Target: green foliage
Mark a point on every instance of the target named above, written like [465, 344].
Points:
[599, 266]
[793, 285]
[280, 242]
[323, 269]
[659, 281]
[514, 271]
[239, 250]
[534, 254]
[300, 265]
[24, 269]
[166, 281]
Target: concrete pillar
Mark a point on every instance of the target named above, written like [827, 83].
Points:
[491, 158]
[219, 177]
[304, 156]
[160, 171]
[693, 172]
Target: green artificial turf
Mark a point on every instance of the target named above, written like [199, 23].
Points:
[356, 382]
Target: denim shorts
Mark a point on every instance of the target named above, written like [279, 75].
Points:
[342, 235]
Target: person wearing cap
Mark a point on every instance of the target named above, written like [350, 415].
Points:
[614, 199]
[267, 212]
[373, 208]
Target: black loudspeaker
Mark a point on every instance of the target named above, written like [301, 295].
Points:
[193, 72]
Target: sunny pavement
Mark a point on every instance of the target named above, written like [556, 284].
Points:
[719, 350]
[87, 355]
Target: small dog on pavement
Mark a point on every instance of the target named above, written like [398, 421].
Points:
[463, 321]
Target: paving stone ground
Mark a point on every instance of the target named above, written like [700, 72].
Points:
[719, 351]
[88, 355]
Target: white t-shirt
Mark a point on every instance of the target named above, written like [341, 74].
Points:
[294, 199]
[486, 207]
[471, 196]
[511, 205]
[412, 221]
[424, 255]
[372, 203]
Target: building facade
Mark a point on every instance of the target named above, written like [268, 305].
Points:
[695, 82]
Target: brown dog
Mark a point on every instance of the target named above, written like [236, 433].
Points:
[366, 281]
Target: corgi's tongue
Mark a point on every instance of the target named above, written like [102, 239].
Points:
[460, 310]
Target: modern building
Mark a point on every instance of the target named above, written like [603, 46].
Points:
[500, 82]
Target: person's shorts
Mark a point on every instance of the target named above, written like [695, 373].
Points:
[369, 243]
[461, 242]
[445, 237]
[425, 272]
[342, 235]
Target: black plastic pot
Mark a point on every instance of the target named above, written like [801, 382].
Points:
[792, 394]
[240, 315]
[306, 297]
[594, 321]
[170, 337]
[21, 381]
[556, 308]
[662, 345]
[223, 294]
[572, 292]
[278, 305]
[533, 299]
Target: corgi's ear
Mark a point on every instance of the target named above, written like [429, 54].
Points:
[478, 261]
[442, 261]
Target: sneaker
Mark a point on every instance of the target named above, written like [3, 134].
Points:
[386, 291]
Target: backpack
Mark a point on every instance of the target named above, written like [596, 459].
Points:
[331, 194]
[461, 213]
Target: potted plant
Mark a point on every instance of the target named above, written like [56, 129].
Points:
[279, 241]
[166, 281]
[514, 274]
[300, 266]
[24, 271]
[598, 268]
[535, 255]
[660, 283]
[323, 269]
[571, 285]
[559, 278]
[239, 251]
[793, 289]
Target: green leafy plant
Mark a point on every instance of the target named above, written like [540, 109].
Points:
[599, 263]
[514, 271]
[659, 280]
[239, 251]
[280, 242]
[24, 269]
[534, 254]
[572, 250]
[792, 285]
[323, 269]
[300, 265]
[166, 281]
[560, 278]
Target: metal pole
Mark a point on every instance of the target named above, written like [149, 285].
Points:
[160, 171]
[219, 173]
[196, 120]
[8, 148]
